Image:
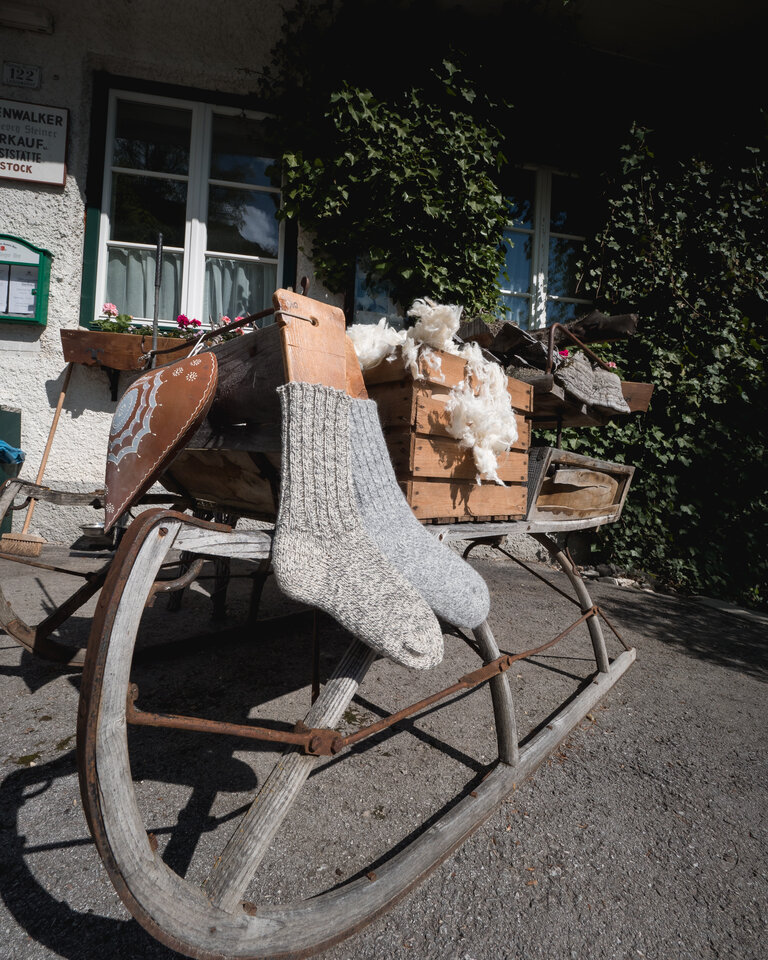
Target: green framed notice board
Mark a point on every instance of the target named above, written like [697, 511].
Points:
[25, 275]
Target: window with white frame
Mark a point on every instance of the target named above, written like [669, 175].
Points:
[546, 233]
[195, 173]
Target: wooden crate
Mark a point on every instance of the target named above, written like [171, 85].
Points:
[436, 474]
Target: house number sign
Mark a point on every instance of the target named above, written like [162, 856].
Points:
[33, 142]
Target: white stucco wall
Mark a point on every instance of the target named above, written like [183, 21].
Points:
[218, 47]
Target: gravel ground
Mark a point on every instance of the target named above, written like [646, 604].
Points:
[644, 835]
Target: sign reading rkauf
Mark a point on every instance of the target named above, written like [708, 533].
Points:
[33, 142]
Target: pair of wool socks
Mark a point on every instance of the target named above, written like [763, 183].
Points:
[352, 547]
[322, 554]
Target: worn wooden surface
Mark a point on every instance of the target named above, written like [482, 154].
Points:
[313, 338]
[355, 382]
[416, 456]
[241, 481]
[119, 351]
[448, 499]
[578, 489]
[447, 373]
[250, 371]
[569, 486]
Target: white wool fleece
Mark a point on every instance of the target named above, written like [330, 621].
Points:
[480, 407]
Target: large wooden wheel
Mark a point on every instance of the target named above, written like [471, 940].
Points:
[211, 919]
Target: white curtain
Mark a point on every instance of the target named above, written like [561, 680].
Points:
[235, 288]
[131, 283]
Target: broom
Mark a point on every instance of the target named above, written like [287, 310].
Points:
[28, 544]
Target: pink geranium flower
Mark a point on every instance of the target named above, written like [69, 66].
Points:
[109, 309]
[564, 353]
[611, 364]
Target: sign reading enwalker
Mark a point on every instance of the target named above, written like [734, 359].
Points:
[33, 142]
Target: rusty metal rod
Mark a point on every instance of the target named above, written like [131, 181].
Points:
[322, 742]
[200, 725]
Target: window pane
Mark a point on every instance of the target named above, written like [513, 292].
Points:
[517, 263]
[516, 310]
[563, 256]
[242, 221]
[519, 188]
[131, 283]
[571, 211]
[237, 151]
[235, 288]
[142, 207]
[150, 137]
[372, 301]
[559, 312]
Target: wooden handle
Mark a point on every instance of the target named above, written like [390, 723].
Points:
[48, 445]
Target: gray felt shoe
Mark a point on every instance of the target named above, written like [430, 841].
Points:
[322, 554]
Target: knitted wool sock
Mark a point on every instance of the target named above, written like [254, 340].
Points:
[454, 590]
[322, 554]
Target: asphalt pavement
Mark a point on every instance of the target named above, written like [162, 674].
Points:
[644, 835]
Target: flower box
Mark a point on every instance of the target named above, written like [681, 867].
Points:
[116, 351]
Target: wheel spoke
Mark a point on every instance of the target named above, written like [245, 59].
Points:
[233, 870]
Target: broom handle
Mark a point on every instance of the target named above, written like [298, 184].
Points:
[48, 445]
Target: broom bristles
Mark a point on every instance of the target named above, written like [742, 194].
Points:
[21, 544]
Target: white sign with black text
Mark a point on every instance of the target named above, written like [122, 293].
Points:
[33, 142]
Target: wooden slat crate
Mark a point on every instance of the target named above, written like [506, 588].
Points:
[438, 477]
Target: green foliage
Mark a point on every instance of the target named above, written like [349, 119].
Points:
[685, 247]
[121, 323]
[411, 182]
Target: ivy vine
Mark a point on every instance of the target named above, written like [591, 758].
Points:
[685, 246]
[410, 186]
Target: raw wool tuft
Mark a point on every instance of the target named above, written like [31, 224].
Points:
[480, 407]
[481, 412]
[436, 324]
[375, 342]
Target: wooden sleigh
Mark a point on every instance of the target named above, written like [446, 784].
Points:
[230, 464]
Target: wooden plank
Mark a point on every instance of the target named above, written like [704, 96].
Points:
[396, 403]
[431, 417]
[314, 348]
[120, 351]
[450, 372]
[436, 498]
[443, 458]
[521, 394]
[232, 479]
[355, 382]
[578, 489]
[637, 395]
[250, 369]
[233, 870]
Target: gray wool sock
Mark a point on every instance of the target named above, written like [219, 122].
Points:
[322, 554]
[454, 590]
